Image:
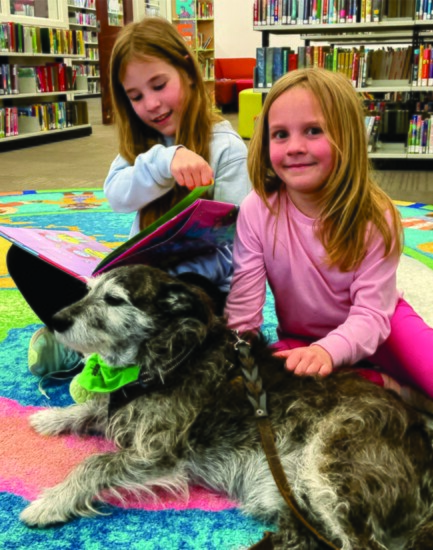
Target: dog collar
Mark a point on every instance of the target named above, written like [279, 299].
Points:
[99, 377]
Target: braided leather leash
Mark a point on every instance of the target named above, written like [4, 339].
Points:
[257, 396]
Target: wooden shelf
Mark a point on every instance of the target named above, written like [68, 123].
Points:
[39, 138]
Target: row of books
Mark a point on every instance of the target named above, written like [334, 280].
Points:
[86, 70]
[207, 68]
[420, 134]
[83, 18]
[307, 12]
[41, 117]
[363, 66]
[90, 36]
[51, 77]
[422, 71]
[20, 8]
[93, 87]
[82, 4]
[15, 37]
[92, 54]
[204, 41]
[205, 9]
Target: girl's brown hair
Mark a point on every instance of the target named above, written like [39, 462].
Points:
[351, 198]
[158, 38]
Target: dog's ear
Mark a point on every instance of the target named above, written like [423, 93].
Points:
[180, 300]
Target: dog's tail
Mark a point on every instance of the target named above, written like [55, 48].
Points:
[422, 535]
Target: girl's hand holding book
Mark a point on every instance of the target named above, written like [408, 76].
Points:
[190, 170]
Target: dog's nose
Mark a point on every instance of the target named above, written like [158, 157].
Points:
[61, 322]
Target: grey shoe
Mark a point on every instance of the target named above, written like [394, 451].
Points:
[48, 358]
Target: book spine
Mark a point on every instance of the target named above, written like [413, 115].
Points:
[256, 13]
[294, 16]
[355, 68]
[293, 61]
[424, 136]
[342, 11]
[420, 64]
[269, 64]
[325, 8]
[426, 66]
[368, 11]
[260, 67]
[430, 137]
[377, 10]
[277, 68]
[415, 65]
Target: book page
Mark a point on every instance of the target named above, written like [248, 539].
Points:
[197, 231]
[70, 251]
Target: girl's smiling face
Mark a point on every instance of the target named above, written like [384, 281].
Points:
[156, 92]
[299, 150]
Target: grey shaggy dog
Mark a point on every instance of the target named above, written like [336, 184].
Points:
[360, 462]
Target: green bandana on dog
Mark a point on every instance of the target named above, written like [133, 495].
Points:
[98, 377]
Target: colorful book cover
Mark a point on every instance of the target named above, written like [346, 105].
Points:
[194, 227]
[185, 9]
[188, 30]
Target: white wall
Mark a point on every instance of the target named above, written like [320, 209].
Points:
[233, 29]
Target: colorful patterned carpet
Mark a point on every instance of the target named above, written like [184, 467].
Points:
[29, 462]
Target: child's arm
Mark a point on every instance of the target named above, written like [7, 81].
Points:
[373, 295]
[247, 294]
[131, 187]
[229, 161]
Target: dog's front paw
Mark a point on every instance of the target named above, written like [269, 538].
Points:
[49, 421]
[41, 514]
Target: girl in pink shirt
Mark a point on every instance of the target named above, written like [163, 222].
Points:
[327, 239]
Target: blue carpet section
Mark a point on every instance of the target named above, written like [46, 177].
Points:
[132, 529]
[15, 380]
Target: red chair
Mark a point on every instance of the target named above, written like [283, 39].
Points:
[232, 75]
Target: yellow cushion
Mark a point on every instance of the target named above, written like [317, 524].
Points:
[250, 105]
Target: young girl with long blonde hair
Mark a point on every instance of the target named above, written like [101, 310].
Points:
[171, 141]
[326, 238]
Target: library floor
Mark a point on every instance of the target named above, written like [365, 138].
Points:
[84, 162]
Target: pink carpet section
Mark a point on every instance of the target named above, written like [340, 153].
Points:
[34, 462]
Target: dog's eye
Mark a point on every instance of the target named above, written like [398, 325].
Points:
[114, 300]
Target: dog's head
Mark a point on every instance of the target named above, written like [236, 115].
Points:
[131, 313]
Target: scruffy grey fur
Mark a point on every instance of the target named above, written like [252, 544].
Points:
[359, 460]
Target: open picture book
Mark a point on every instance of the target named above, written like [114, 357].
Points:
[194, 227]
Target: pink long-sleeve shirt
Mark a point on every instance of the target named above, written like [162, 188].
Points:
[348, 314]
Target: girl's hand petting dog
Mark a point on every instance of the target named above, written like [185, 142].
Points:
[190, 170]
[307, 360]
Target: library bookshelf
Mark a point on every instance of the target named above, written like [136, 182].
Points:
[82, 15]
[195, 21]
[388, 59]
[38, 102]
[37, 96]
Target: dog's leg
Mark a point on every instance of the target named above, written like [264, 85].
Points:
[79, 419]
[123, 469]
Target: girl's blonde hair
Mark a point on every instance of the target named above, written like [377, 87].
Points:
[351, 198]
[157, 38]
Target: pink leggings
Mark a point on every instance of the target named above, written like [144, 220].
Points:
[407, 354]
